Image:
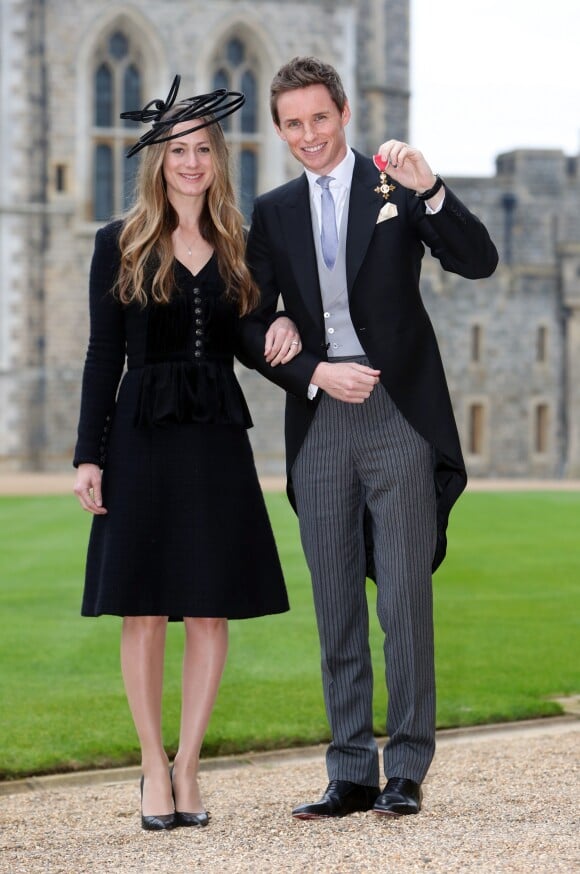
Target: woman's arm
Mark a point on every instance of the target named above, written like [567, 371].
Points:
[105, 354]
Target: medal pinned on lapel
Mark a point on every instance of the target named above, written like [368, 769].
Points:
[384, 188]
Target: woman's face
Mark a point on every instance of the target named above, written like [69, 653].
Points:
[188, 163]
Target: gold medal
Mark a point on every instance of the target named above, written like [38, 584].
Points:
[384, 188]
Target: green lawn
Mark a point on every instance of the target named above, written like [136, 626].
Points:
[506, 610]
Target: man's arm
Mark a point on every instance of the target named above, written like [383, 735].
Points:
[306, 373]
[455, 236]
[459, 240]
[295, 375]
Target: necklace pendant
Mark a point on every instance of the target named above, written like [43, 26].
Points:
[187, 248]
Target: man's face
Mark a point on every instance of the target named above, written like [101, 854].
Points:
[313, 127]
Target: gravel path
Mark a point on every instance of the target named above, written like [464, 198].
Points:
[31, 483]
[497, 800]
[500, 799]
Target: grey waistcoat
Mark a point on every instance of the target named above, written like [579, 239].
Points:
[339, 331]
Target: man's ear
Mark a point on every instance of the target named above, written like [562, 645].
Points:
[346, 113]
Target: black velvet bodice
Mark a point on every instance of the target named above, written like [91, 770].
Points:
[179, 356]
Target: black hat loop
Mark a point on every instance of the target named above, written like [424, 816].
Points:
[217, 104]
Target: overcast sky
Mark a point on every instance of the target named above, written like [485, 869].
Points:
[488, 77]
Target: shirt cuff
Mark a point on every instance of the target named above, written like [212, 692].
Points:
[430, 211]
[312, 391]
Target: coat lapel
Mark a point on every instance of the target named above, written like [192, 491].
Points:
[296, 223]
[364, 207]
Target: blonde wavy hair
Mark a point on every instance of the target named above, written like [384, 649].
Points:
[147, 258]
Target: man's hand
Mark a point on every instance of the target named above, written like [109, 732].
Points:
[408, 166]
[282, 342]
[87, 488]
[346, 381]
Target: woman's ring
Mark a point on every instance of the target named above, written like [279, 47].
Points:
[294, 343]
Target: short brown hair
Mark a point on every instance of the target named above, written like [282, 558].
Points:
[300, 73]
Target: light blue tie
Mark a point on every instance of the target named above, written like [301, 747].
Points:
[328, 233]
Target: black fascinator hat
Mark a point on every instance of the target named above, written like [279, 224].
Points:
[217, 104]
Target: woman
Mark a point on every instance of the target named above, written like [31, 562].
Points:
[180, 529]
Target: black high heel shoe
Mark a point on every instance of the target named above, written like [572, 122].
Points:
[188, 819]
[162, 822]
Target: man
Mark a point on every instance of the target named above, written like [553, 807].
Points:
[373, 456]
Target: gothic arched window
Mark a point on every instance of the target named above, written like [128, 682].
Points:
[117, 82]
[235, 68]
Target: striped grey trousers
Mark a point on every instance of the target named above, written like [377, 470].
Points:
[356, 455]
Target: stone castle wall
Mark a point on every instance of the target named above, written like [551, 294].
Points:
[46, 237]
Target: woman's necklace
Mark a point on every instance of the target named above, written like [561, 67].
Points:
[184, 243]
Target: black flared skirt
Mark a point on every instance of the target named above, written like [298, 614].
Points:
[187, 531]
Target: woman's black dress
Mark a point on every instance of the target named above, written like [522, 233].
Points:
[187, 532]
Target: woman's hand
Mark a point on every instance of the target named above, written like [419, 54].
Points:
[87, 488]
[282, 342]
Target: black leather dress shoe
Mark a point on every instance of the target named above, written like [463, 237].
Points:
[340, 799]
[399, 798]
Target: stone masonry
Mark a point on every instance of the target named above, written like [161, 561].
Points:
[511, 345]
